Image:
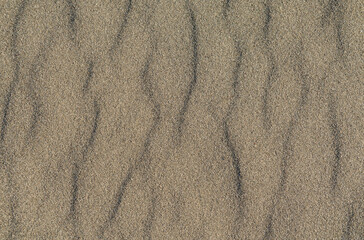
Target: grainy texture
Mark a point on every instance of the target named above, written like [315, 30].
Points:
[172, 119]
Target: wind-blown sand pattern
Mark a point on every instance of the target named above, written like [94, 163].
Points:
[173, 119]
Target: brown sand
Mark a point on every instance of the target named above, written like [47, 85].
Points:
[171, 119]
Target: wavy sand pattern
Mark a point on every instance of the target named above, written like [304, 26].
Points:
[161, 119]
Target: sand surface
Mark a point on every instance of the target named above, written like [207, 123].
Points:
[171, 119]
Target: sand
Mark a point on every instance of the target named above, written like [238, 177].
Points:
[171, 119]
